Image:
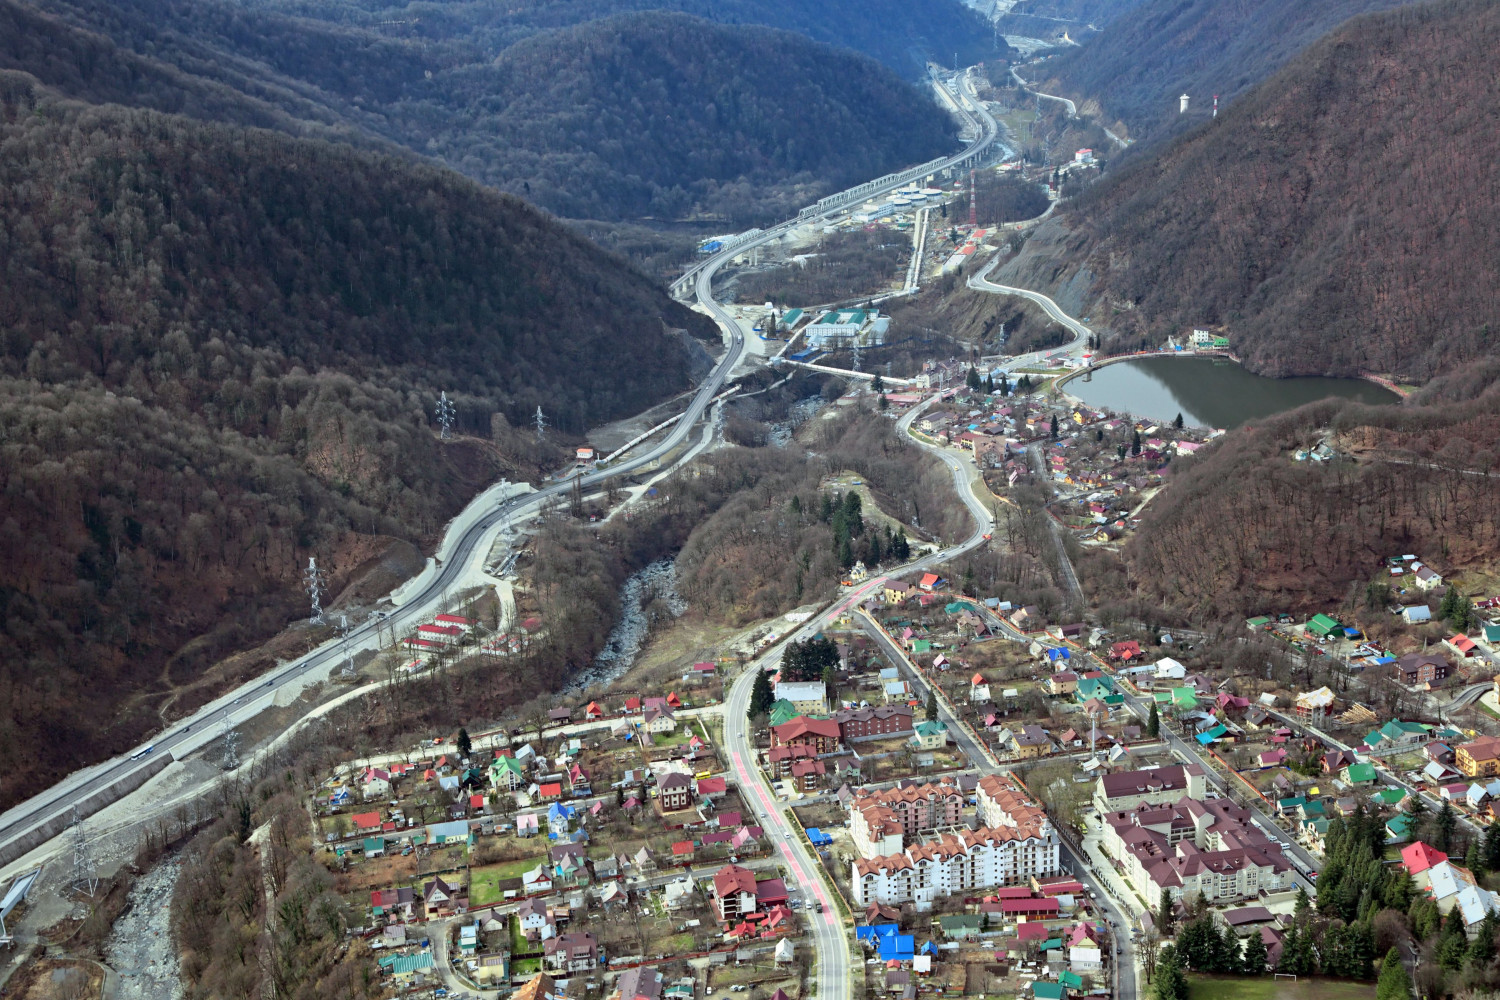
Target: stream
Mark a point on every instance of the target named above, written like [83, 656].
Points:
[140, 947]
[658, 580]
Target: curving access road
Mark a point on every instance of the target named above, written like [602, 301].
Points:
[476, 530]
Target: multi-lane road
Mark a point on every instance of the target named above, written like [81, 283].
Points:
[476, 531]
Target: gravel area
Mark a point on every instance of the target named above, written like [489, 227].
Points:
[140, 945]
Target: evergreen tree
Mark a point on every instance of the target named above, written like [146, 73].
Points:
[1394, 982]
[1170, 982]
[1253, 962]
[1005, 383]
[972, 378]
[884, 403]
[1442, 828]
[1415, 812]
[1482, 948]
[1053, 430]
[1302, 902]
[1153, 722]
[761, 695]
[877, 384]
[932, 706]
[1135, 442]
[1492, 846]
[465, 746]
[853, 517]
[900, 547]
[1164, 917]
[1177, 421]
[1473, 860]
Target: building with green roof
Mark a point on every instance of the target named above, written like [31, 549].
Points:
[1322, 625]
[782, 711]
[1359, 774]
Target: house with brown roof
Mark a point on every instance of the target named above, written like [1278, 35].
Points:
[675, 791]
[820, 734]
[880, 722]
[1415, 669]
[576, 951]
[734, 892]
[1479, 758]
[538, 987]
[639, 983]
[1149, 786]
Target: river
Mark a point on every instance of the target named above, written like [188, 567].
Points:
[658, 580]
[1210, 392]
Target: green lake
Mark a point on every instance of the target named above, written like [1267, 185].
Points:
[1210, 392]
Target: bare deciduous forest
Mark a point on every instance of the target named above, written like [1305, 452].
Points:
[1338, 219]
[1198, 47]
[591, 111]
[216, 362]
[1250, 531]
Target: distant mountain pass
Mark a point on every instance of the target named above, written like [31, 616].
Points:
[1340, 218]
[1138, 66]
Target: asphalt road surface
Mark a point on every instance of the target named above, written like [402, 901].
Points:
[191, 734]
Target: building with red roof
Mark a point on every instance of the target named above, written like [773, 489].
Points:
[1418, 857]
[820, 734]
[734, 892]
[366, 822]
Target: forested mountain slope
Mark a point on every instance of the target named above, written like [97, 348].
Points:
[219, 353]
[668, 115]
[1138, 66]
[1340, 218]
[1246, 530]
[899, 33]
[644, 114]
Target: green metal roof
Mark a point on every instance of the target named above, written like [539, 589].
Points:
[1359, 773]
[1257, 621]
[1323, 625]
[1048, 991]
[374, 844]
[1390, 796]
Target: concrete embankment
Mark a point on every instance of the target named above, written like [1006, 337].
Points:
[86, 806]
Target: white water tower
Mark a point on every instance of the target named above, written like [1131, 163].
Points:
[1182, 103]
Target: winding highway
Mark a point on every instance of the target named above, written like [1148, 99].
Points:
[476, 530]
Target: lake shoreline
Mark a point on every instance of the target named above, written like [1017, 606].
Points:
[1128, 393]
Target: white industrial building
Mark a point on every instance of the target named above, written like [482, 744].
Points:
[843, 328]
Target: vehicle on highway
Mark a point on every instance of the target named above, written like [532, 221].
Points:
[819, 907]
[141, 753]
[786, 835]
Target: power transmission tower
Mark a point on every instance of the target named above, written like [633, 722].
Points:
[541, 424]
[855, 362]
[85, 879]
[312, 582]
[231, 745]
[444, 416]
[344, 638]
